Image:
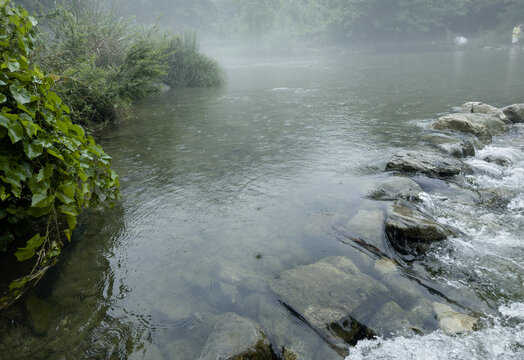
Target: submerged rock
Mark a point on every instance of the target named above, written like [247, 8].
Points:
[368, 223]
[333, 295]
[236, 337]
[483, 126]
[475, 107]
[327, 291]
[428, 163]
[410, 231]
[514, 112]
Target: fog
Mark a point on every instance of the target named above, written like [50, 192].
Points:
[273, 25]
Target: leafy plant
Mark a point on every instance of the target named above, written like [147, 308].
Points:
[49, 168]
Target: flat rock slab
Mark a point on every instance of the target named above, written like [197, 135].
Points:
[410, 231]
[236, 337]
[515, 113]
[327, 291]
[483, 126]
[428, 163]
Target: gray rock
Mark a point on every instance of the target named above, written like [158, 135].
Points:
[428, 163]
[451, 321]
[328, 291]
[395, 187]
[459, 148]
[236, 337]
[483, 126]
[514, 112]
[285, 333]
[410, 231]
[481, 108]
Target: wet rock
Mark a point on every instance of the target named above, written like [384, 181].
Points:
[499, 159]
[236, 337]
[285, 333]
[428, 163]
[404, 290]
[496, 197]
[410, 231]
[514, 112]
[391, 319]
[458, 148]
[369, 224]
[395, 187]
[486, 168]
[481, 108]
[451, 321]
[327, 291]
[481, 125]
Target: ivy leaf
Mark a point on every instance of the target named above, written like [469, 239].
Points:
[33, 149]
[55, 154]
[13, 65]
[20, 94]
[15, 131]
[32, 245]
[71, 221]
[3, 98]
[41, 200]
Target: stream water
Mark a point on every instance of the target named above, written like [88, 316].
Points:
[224, 189]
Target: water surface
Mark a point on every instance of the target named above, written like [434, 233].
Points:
[223, 189]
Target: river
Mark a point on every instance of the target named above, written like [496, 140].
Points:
[224, 189]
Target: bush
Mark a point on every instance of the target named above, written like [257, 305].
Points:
[187, 67]
[105, 63]
[49, 169]
[102, 63]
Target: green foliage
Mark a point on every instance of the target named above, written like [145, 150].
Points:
[187, 67]
[49, 168]
[103, 63]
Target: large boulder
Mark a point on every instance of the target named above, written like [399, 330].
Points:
[338, 299]
[428, 163]
[475, 107]
[410, 231]
[484, 126]
[236, 337]
[514, 112]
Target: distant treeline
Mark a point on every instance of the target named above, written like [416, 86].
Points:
[343, 20]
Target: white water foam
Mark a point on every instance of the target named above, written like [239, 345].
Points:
[488, 258]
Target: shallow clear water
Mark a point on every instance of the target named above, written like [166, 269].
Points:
[223, 189]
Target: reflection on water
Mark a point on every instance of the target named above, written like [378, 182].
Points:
[224, 189]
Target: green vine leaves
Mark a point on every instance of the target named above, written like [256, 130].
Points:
[49, 168]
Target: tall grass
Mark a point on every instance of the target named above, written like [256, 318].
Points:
[187, 67]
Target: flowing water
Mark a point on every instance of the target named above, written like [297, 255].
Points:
[224, 189]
